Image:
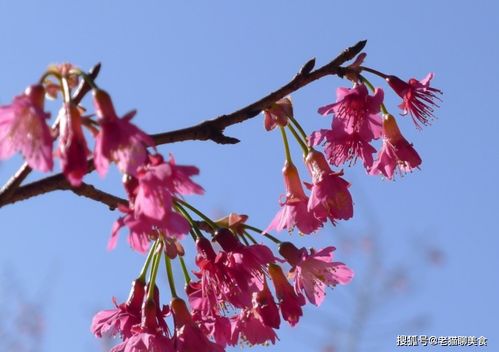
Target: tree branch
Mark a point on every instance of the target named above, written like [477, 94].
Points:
[208, 130]
[213, 129]
[89, 191]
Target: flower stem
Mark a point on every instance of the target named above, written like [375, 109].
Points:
[50, 73]
[198, 212]
[85, 76]
[169, 273]
[154, 272]
[244, 239]
[268, 235]
[194, 231]
[299, 140]
[298, 126]
[250, 237]
[143, 272]
[373, 71]
[184, 269]
[371, 87]
[286, 145]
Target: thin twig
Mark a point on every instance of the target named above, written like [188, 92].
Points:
[208, 130]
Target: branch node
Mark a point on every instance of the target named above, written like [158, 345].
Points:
[307, 67]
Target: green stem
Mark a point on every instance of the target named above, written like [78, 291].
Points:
[302, 144]
[376, 72]
[244, 239]
[169, 273]
[154, 273]
[268, 235]
[51, 73]
[143, 272]
[184, 269]
[195, 233]
[85, 76]
[286, 145]
[298, 126]
[250, 237]
[198, 213]
[371, 87]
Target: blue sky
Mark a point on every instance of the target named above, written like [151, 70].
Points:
[180, 63]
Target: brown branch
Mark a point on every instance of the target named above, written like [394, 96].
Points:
[208, 130]
[15, 181]
[213, 129]
[89, 191]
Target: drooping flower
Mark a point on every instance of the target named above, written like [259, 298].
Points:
[289, 301]
[294, 211]
[23, 128]
[143, 229]
[181, 182]
[329, 197]
[73, 150]
[249, 326]
[266, 308]
[188, 335]
[313, 271]
[358, 111]
[121, 319]
[145, 341]
[278, 113]
[356, 122]
[396, 152]
[255, 325]
[118, 139]
[341, 147]
[419, 99]
[150, 202]
[148, 336]
[227, 278]
[244, 266]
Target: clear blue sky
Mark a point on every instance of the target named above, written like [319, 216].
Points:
[179, 64]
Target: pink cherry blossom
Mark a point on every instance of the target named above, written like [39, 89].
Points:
[289, 301]
[329, 196]
[396, 152]
[23, 128]
[216, 326]
[341, 147]
[73, 150]
[265, 307]
[255, 325]
[313, 271]
[145, 341]
[120, 320]
[278, 114]
[188, 335]
[149, 334]
[181, 182]
[358, 111]
[143, 229]
[419, 99]
[294, 210]
[249, 327]
[118, 139]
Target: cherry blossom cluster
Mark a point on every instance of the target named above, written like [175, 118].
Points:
[241, 289]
